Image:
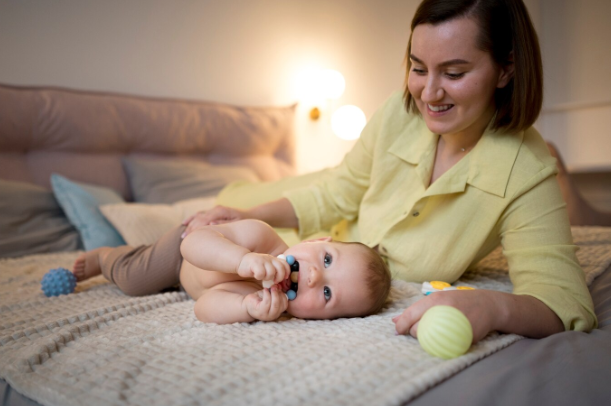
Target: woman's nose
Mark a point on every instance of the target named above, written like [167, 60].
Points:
[314, 276]
[432, 91]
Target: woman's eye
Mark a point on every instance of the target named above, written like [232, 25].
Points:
[418, 71]
[327, 291]
[455, 76]
[328, 260]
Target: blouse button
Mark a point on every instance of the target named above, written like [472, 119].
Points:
[416, 214]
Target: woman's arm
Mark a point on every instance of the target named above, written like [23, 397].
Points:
[279, 213]
[487, 311]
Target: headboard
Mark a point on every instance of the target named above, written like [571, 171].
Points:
[83, 135]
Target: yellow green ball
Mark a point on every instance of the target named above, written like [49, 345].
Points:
[445, 332]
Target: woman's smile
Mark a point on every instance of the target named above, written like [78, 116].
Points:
[439, 109]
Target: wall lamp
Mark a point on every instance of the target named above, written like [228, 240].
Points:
[322, 87]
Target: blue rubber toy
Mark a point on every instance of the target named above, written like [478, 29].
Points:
[59, 281]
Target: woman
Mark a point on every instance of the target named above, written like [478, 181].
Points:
[445, 172]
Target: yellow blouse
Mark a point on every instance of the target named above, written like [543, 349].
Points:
[503, 191]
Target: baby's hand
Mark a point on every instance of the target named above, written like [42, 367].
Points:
[263, 267]
[266, 304]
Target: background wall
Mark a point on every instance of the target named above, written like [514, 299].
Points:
[577, 63]
[252, 51]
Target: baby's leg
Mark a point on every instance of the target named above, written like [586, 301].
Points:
[139, 270]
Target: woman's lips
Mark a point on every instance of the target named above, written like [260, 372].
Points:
[442, 109]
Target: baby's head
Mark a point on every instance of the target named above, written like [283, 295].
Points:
[338, 279]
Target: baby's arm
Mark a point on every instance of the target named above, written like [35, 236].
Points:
[235, 302]
[248, 248]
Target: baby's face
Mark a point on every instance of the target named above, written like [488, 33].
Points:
[331, 280]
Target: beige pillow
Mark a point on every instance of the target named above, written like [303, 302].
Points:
[143, 224]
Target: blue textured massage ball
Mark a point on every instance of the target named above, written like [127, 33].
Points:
[59, 281]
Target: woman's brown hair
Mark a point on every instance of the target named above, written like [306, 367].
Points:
[507, 34]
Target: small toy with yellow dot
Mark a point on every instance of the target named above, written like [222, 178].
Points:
[440, 286]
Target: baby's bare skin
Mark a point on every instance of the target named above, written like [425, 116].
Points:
[88, 264]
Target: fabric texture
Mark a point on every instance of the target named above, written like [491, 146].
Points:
[143, 224]
[80, 202]
[146, 269]
[171, 180]
[32, 222]
[101, 345]
[503, 191]
[83, 135]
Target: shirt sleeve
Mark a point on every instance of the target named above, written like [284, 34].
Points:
[338, 195]
[537, 242]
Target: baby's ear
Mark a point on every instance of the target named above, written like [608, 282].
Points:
[322, 239]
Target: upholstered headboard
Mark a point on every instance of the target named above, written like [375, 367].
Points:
[84, 135]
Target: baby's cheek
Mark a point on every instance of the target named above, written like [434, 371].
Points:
[302, 306]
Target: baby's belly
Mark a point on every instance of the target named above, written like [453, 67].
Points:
[195, 280]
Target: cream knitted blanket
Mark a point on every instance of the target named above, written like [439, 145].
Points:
[100, 347]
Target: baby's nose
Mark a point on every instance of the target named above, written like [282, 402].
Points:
[314, 276]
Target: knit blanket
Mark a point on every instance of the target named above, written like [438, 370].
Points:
[101, 347]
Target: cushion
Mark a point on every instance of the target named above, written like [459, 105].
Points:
[143, 224]
[172, 180]
[31, 222]
[80, 203]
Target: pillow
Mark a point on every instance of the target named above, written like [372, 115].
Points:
[171, 180]
[31, 222]
[80, 203]
[143, 224]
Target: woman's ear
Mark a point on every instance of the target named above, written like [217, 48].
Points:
[507, 71]
[322, 239]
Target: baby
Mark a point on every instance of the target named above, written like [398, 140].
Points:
[222, 268]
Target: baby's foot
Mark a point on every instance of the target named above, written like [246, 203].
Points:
[88, 264]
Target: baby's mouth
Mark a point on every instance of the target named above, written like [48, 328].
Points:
[291, 284]
[285, 285]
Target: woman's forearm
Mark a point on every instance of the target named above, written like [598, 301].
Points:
[279, 213]
[525, 315]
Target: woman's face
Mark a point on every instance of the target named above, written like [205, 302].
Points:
[451, 80]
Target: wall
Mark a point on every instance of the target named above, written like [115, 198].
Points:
[235, 51]
[577, 62]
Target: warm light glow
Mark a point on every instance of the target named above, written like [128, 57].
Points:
[347, 122]
[316, 85]
[332, 83]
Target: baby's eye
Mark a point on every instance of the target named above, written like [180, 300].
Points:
[328, 260]
[327, 291]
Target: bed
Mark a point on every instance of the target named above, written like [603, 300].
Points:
[83, 168]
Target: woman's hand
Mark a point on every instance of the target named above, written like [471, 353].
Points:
[216, 215]
[478, 305]
[266, 304]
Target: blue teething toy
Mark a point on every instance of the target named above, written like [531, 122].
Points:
[291, 294]
[59, 281]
